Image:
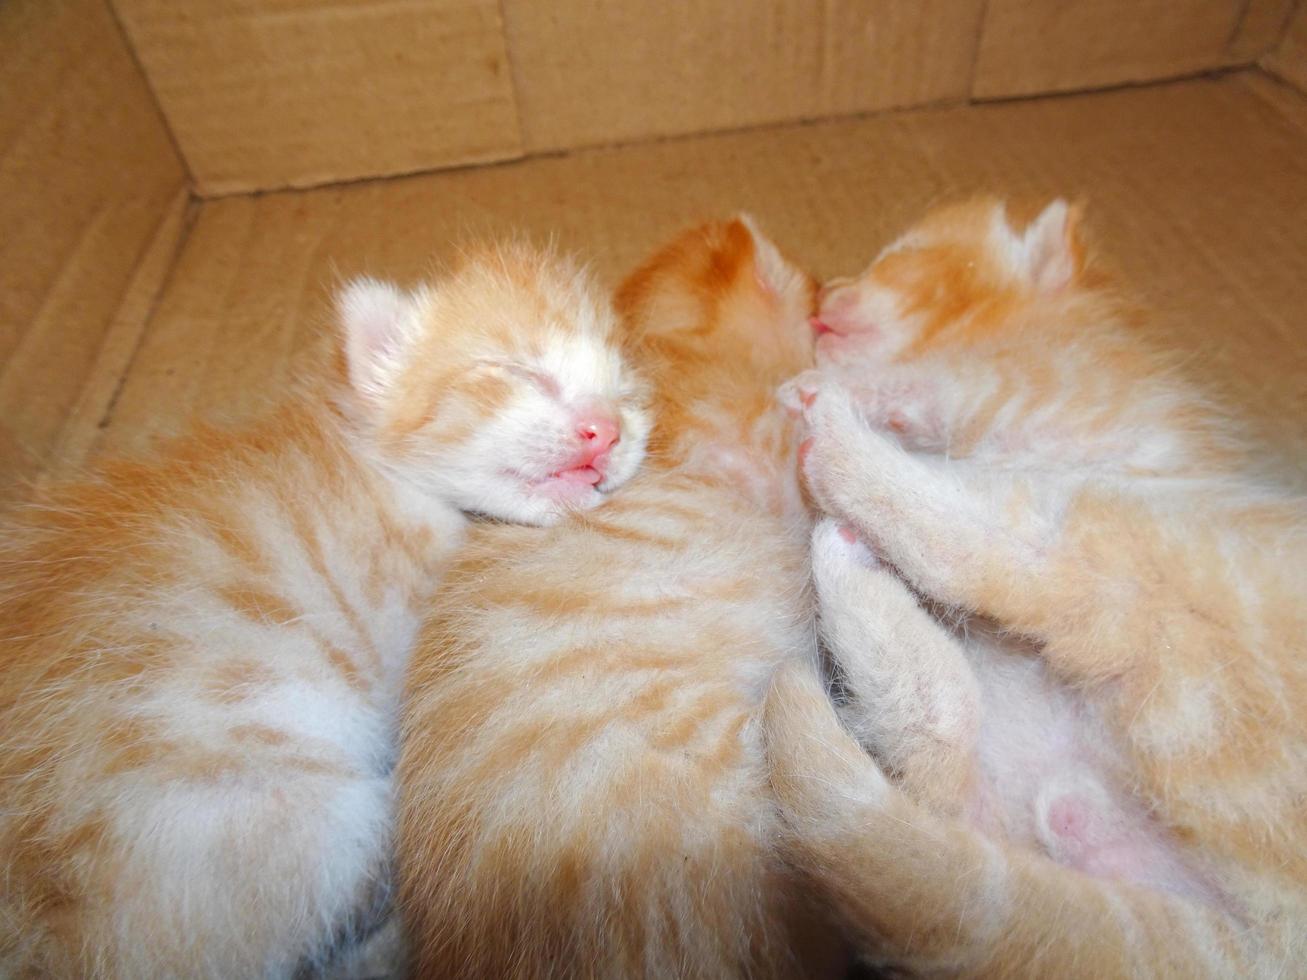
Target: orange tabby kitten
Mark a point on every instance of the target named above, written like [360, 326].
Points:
[988, 421]
[201, 656]
[582, 788]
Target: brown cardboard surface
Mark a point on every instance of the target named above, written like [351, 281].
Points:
[81, 427]
[299, 92]
[1196, 190]
[1034, 46]
[1289, 59]
[1260, 30]
[589, 73]
[86, 173]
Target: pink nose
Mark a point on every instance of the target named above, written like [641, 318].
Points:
[600, 433]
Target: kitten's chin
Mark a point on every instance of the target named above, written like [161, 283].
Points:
[541, 503]
[566, 494]
[627, 457]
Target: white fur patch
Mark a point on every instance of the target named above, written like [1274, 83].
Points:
[377, 318]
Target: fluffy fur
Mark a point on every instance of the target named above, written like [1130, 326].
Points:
[988, 421]
[201, 655]
[582, 784]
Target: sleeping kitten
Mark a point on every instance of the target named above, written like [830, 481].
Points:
[201, 656]
[988, 422]
[582, 789]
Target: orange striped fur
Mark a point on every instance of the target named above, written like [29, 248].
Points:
[201, 654]
[1094, 723]
[582, 787]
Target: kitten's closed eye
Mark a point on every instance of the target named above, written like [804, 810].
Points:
[523, 415]
[543, 380]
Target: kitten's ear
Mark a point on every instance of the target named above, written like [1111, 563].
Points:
[376, 319]
[775, 273]
[1051, 248]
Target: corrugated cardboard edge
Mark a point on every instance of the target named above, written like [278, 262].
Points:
[82, 429]
[1289, 60]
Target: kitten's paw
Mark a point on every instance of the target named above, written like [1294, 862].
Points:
[835, 542]
[799, 393]
[910, 697]
[844, 453]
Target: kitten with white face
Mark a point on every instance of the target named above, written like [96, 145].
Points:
[201, 655]
[534, 355]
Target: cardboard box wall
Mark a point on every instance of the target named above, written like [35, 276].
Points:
[263, 94]
[127, 301]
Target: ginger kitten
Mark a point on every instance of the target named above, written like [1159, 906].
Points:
[201, 655]
[582, 784]
[995, 436]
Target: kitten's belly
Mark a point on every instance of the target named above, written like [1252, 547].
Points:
[1053, 776]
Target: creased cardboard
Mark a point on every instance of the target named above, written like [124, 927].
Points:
[590, 73]
[81, 427]
[1029, 47]
[301, 92]
[86, 174]
[1289, 59]
[1196, 190]
[1260, 30]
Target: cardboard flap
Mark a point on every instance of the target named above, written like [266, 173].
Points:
[592, 73]
[1028, 47]
[294, 93]
[86, 173]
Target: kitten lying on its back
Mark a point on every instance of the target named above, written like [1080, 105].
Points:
[201, 656]
[987, 418]
[582, 785]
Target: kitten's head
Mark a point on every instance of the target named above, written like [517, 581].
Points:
[963, 275]
[718, 313]
[500, 387]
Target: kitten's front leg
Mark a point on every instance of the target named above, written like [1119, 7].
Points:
[909, 404]
[913, 701]
[955, 530]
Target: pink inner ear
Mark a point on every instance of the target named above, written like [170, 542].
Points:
[1050, 251]
[372, 314]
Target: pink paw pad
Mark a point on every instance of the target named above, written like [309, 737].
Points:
[797, 397]
[855, 548]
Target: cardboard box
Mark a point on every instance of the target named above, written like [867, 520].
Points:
[133, 293]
